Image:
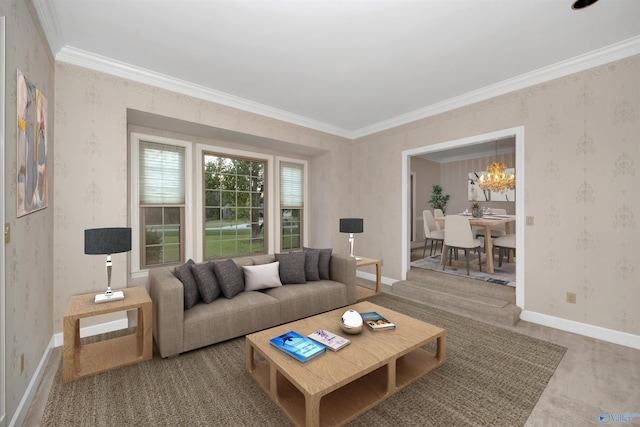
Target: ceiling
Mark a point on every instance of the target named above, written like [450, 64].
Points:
[346, 67]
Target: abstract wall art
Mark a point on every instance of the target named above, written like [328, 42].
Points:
[32, 191]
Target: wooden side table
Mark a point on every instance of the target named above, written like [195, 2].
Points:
[83, 360]
[363, 293]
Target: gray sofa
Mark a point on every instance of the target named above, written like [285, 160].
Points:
[176, 330]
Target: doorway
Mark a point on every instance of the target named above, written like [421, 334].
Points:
[407, 214]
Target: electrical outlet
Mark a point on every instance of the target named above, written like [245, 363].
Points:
[530, 220]
[571, 297]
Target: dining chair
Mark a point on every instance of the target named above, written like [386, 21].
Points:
[431, 232]
[460, 236]
[437, 213]
[497, 230]
[504, 244]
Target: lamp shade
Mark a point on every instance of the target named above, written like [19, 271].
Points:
[351, 225]
[106, 241]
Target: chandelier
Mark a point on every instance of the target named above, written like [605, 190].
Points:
[496, 178]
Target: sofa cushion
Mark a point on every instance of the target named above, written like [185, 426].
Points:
[206, 279]
[185, 275]
[311, 259]
[291, 267]
[229, 277]
[262, 276]
[323, 262]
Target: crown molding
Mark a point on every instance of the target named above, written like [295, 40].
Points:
[46, 11]
[576, 64]
[113, 67]
[103, 64]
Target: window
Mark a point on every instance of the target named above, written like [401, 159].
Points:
[291, 205]
[161, 192]
[234, 215]
[200, 201]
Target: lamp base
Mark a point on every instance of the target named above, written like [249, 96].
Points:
[114, 296]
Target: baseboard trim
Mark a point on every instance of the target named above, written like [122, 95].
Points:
[597, 332]
[372, 277]
[88, 331]
[30, 392]
[57, 340]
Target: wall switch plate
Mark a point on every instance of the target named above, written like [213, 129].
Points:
[529, 220]
[571, 297]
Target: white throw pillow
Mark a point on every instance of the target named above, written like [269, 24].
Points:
[261, 276]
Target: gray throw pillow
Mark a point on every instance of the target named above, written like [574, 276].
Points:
[229, 278]
[311, 258]
[207, 283]
[291, 267]
[323, 263]
[191, 293]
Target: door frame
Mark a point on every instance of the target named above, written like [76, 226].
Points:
[518, 134]
[3, 387]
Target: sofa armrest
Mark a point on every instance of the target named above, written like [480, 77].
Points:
[343, 269]
[167, 294]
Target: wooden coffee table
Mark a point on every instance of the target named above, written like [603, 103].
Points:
[336, 387]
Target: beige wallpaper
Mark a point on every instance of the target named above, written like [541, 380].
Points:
[29, 254]
[582, 151]
[91, 167]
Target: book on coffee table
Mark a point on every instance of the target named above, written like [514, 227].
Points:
[329, 339]
[298, 346]
[376, 322]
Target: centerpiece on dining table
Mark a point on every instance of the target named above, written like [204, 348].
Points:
[476, 211]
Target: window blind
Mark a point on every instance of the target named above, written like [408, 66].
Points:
[161, 174]
[291, 185]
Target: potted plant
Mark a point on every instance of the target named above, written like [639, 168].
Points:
[476, 210]
[437, 199]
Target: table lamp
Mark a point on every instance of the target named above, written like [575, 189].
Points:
[351, 225]
[107, 241]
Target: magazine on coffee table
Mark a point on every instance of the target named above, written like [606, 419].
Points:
[329, 339]
[298, 346]
[376, 322]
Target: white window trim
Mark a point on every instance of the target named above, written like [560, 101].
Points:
[305, 209]
[270, 211]
[136, 271]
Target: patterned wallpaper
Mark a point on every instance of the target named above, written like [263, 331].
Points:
[91, 166]
[582, 151]
[29, 254]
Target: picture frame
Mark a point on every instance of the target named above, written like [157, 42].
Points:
[31, 153]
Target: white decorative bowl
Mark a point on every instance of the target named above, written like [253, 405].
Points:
[351, 322]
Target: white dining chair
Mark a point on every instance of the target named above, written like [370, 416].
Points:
[460, 236]
[437, 213]
[431, 233]
[505, 245]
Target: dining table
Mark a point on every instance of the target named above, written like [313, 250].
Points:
[486, 221]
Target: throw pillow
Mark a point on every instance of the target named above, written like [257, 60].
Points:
[207, 283]
[323, 263]
[311, 258]
[261, 276]
[291, 267]
[229, 278]
[191, 293]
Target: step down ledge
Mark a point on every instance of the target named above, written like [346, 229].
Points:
[465, 296]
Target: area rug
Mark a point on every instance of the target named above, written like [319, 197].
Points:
[505, 275]
[492, 377]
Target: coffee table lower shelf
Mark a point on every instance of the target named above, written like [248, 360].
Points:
[345, 403]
